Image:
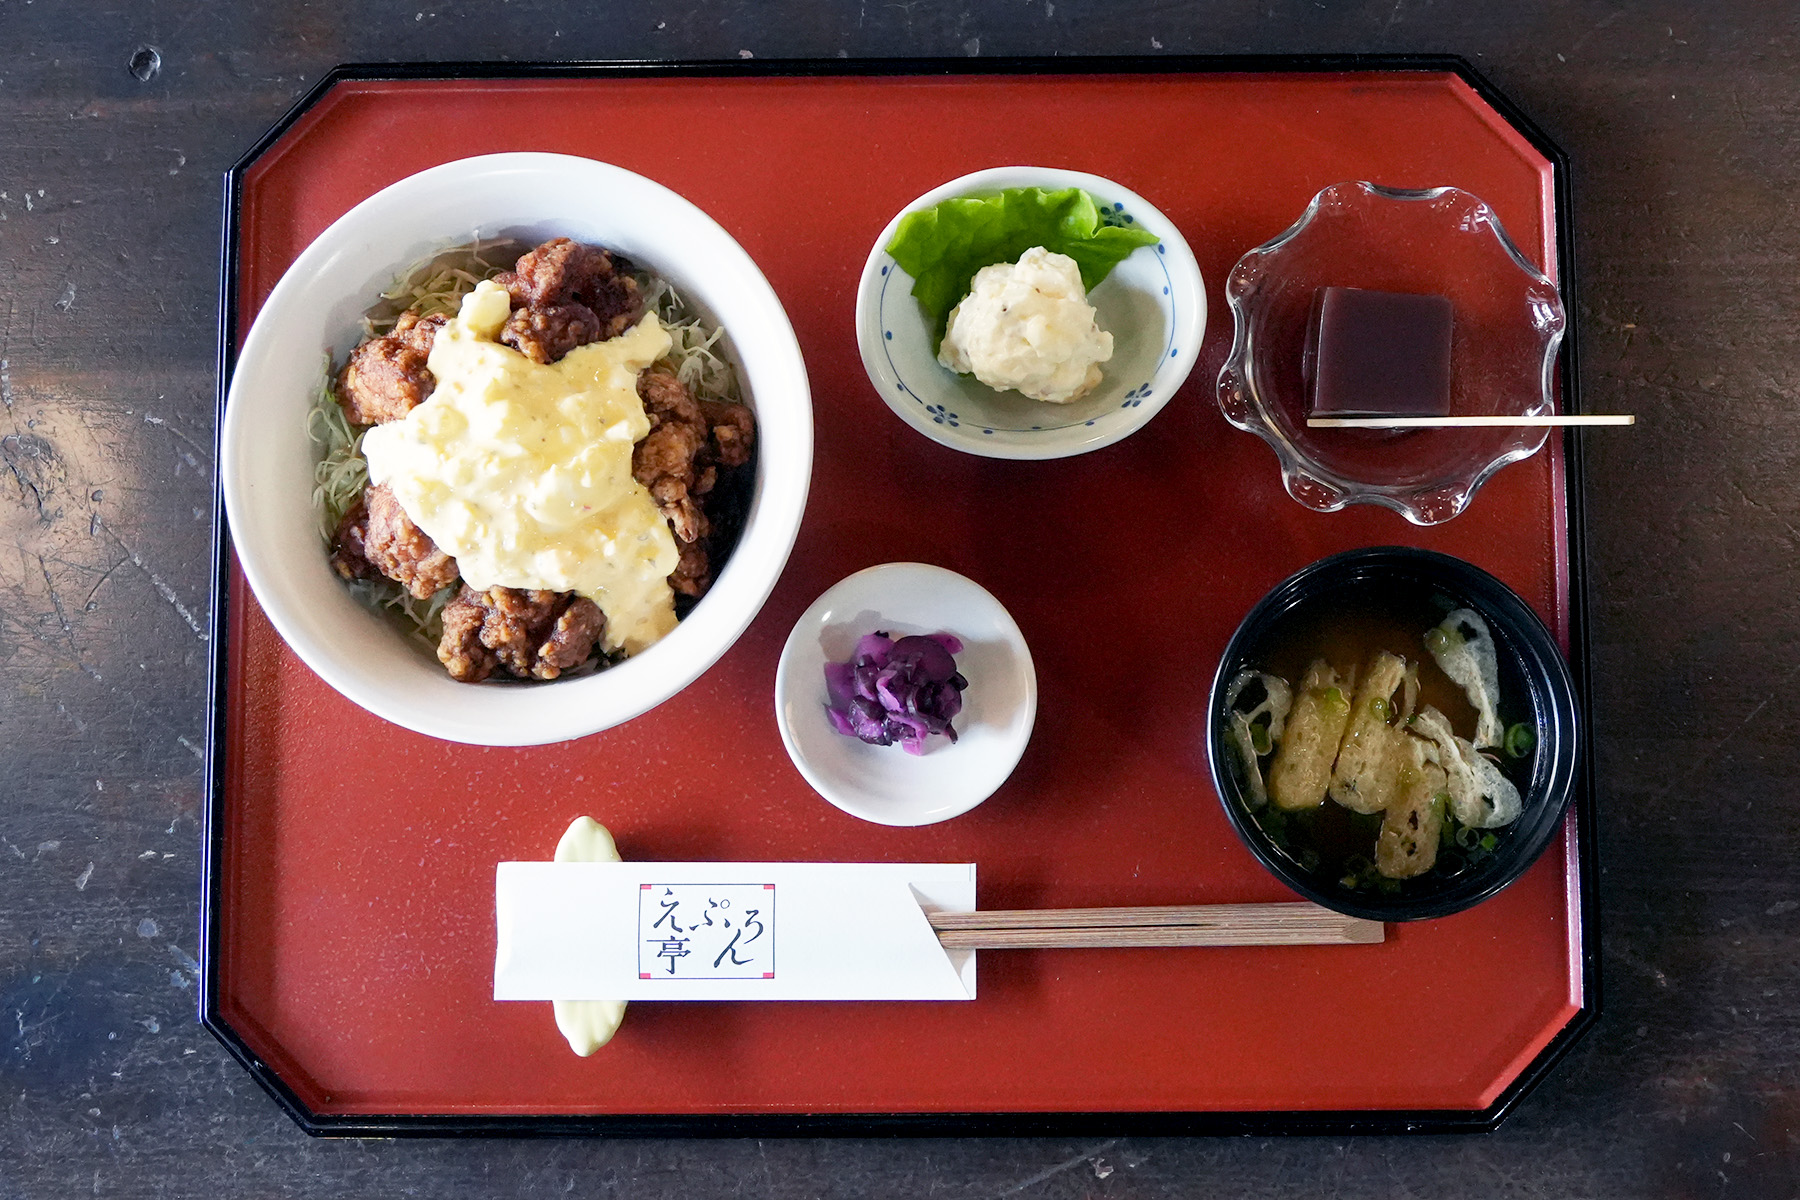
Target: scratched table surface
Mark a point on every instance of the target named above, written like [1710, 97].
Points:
[1682, 125]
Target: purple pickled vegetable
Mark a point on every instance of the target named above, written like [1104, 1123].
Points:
[901, 690]
[840, 685]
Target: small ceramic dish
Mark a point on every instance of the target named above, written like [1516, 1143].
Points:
[1318, 610]
[1153, 304]
[885, 784]
[1507, 326]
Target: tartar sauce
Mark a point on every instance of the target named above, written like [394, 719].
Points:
[522, 470]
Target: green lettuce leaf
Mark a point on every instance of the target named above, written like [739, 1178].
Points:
[943, 246]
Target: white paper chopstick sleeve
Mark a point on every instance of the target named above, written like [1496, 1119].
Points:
[729, 931]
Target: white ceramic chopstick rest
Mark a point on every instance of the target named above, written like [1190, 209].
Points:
[587, 1024]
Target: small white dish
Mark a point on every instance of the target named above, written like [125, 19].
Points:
[885, 784]
[1153, 304]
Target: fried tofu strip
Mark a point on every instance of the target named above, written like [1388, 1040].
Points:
[1408, 844]
[1301, 772]
[1368, 759]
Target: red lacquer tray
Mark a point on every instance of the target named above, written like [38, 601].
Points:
[349, 907]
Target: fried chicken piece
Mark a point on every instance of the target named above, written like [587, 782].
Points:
[562, 271]
[554, 271]
[460, 648]
[386, 377]
[377, 538]
[386, 538]
[349, 551]
[617, 302]
[546, 333]
[664, 461]
[693, 573]
[679, 461]
[530, 634]
[733, 431]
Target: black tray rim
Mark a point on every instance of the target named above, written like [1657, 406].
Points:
[924, 1124]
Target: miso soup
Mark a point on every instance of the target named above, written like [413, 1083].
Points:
[1327, 840]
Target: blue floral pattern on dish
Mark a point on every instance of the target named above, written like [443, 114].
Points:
[1116, 215]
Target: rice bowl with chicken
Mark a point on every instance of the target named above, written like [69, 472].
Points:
[268, 481]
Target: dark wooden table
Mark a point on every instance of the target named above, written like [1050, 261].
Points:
[115, 124]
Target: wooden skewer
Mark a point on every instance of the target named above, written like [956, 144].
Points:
[1462, 422]
[1290, 924]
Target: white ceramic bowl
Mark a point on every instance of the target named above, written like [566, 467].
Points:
[266, 460]
[1153, 304]
[885, 784]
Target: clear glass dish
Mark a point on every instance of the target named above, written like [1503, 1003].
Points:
[1508, 325]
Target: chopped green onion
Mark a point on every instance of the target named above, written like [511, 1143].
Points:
[1437, 640]
[1334, 701]
[1381, 708]
[1489, 841]
[1259, 739]
[1520, 740]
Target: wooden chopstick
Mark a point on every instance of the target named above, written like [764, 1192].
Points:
[1286, 924]
[1462, 422]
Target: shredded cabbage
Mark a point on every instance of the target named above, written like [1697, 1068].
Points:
[697, 346]
[435, 285]
[340, 472]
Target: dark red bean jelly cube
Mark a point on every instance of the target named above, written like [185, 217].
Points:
[1379, 354]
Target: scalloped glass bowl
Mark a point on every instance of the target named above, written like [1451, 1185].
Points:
[1509, 323]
